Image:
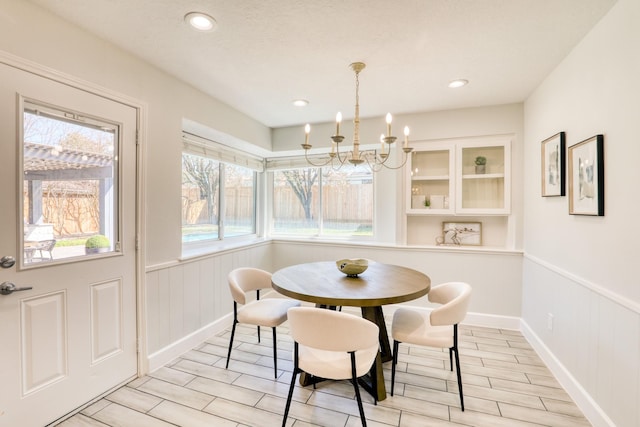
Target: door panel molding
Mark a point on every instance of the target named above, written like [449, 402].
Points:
[106, 320]
[44, 355]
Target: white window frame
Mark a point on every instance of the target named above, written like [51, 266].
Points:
[198, 146]
[286, 163]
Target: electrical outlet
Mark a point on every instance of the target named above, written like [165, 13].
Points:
[550, 321]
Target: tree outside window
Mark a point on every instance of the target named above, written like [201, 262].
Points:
[218, 199]
[322, 201]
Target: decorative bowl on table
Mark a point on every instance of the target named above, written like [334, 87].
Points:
[352, 267]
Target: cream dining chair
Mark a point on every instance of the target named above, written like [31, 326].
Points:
[267, 312]
[331, 345]
[436, 328]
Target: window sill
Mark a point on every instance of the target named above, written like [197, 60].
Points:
[197, 250]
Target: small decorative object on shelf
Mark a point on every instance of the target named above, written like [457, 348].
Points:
[352, 267]
[427, 203]
[418, 200]
[461, 233]
[481, 162]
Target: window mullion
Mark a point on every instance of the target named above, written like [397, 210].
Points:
[320, 203]
[221, 200]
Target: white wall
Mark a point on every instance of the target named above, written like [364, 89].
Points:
[583, 270]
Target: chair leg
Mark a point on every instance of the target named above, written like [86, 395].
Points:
[233, 331]
[293, 384]
[459, 379]
[275, 355]
[455, 348]
[451, 358]
[258, 333]
[393, 365]
[354, 379]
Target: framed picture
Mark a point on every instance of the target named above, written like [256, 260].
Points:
[553, 166]
[586, 177]
[462, 233]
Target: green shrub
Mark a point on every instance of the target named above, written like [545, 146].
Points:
[98, 241]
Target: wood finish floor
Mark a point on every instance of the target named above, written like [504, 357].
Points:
[505, 384]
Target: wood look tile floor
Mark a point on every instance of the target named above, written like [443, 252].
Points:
[505, 384]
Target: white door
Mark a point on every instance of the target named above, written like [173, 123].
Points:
[72, 336]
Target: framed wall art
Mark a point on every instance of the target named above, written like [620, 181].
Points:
[462, 233]
[553, 166]
[586, 177]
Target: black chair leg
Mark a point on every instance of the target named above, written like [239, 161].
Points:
[258, 333]
[293, 383]
[233, 331]
[275, 355]
[354, 380]
[286, 408]
[459, 379]
[393, 365]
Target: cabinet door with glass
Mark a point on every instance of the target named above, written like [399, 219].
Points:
[483, 170]
[430, 177]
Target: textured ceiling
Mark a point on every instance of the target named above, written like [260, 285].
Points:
[265, 53]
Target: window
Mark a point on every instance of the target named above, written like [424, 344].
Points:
[70, 190]
[323, 201]
[200, 198]
[240, 201]
[218, 196]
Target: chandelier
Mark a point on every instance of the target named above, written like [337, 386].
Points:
[376, 160]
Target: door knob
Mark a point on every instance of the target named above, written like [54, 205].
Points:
[7, 261]
[7, 288]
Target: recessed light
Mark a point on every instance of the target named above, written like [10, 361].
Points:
[200, 21]
[458, 83]
[300, 102]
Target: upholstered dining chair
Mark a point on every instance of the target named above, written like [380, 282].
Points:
[267, 312]
[436, 328]
[331, 345]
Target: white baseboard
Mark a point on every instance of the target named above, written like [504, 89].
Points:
[167, 354]
[492, 321]
[596, 416]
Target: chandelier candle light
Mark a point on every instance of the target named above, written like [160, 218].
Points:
[375, 160]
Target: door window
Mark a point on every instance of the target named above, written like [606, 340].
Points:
[70, 186]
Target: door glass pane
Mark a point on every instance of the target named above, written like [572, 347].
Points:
[70, 185]
[200, 198]
[239, 201]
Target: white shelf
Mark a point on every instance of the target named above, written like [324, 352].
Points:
[423, 211]
[483, 176]
[430, 178]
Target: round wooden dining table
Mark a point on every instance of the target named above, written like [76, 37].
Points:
[323, 284]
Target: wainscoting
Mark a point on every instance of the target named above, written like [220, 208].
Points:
[593, 345]
[188, 301]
